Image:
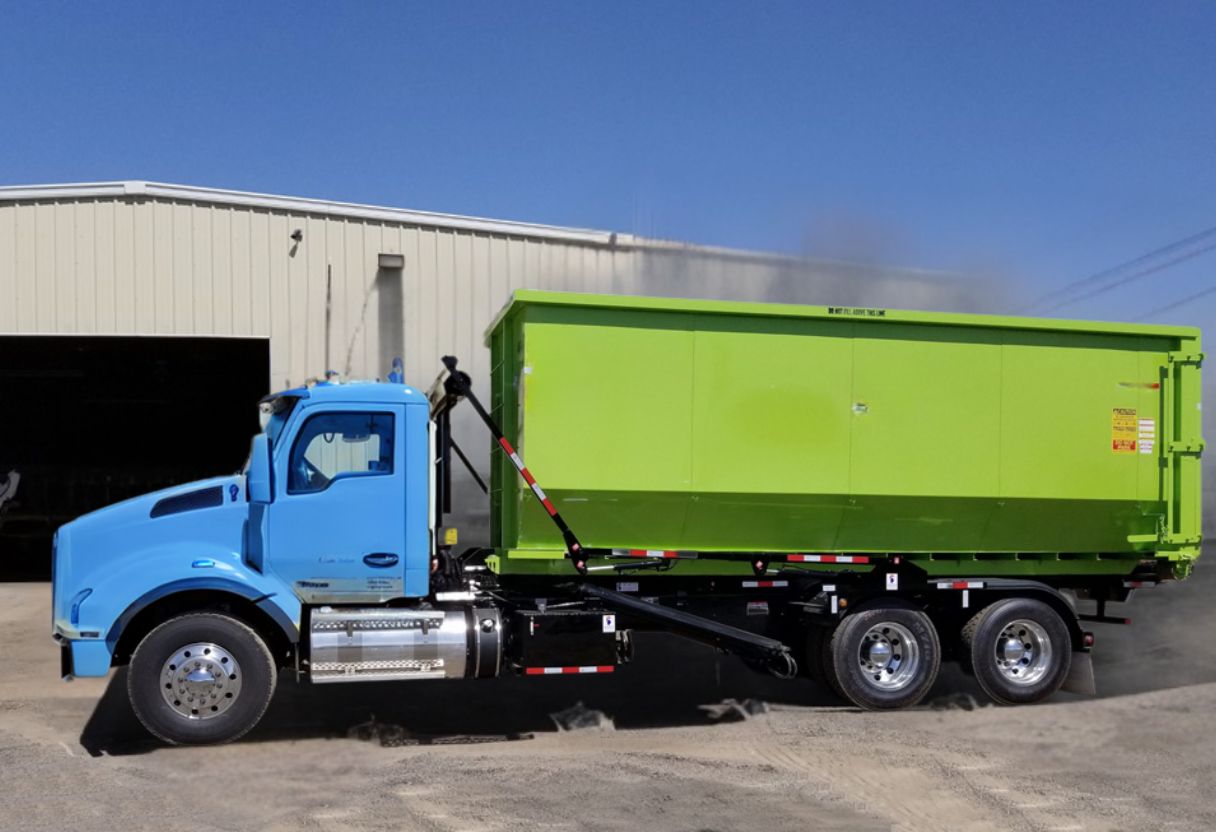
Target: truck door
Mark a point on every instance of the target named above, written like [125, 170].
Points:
[336, 527]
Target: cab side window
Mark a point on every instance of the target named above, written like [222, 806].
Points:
[346, 444]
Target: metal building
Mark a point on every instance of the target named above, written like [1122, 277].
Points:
[140, 321]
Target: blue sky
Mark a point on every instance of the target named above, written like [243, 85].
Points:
[1035, 142]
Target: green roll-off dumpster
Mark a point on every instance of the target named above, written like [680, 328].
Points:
[994, 445]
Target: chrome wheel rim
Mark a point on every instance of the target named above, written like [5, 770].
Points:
[1023, 652]
[890, 656]
[200, 680]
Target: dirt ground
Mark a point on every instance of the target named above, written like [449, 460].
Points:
[487, 756]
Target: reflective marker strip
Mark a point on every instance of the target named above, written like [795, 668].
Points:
[1137, 584]
[690, 555]
[764, 584]
[668, 554]
[527, 475]
[828, 558]
[960, 584]
[561, 671]
[506, 446]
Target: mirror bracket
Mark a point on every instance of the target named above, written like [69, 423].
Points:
[258, 478]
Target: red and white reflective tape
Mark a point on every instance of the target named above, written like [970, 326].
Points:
[765, 584]
[828, 558]
[540, 495]
[960, 584]
[514, 457]
[665, 554]
[562, 671]
[527, 475]
[1138, 584]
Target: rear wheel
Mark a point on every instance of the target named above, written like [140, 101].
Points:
[1019, 650]
[200, 678]
[886, 657]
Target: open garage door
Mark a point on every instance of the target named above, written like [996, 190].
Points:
[86, 421]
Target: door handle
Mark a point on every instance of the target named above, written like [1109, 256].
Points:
[381, 560]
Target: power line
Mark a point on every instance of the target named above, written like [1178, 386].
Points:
[1101, 290]
[1211, 290]
[1099, 277]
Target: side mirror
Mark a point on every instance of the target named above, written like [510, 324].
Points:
[257, 478]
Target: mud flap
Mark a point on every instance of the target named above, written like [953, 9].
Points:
[1080, 677]
[66, 671]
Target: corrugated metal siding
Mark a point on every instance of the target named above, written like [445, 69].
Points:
[141, 265]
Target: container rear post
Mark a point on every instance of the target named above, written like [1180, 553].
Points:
[1181, 391]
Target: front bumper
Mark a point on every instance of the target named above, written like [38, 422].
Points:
[83, 658]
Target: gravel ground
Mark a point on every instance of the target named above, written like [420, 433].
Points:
[487, 756]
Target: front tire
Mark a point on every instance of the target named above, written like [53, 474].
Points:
[1019, 650]
[886, 657]
[201, 679]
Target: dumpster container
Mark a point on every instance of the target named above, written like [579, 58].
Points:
[991, 445]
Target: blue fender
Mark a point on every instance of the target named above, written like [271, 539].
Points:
[267, 602]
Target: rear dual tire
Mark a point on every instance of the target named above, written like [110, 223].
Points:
[882, 658]
[1018, 649]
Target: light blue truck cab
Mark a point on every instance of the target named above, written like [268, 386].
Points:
[334, 507]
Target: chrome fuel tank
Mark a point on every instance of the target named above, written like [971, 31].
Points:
[378, 644]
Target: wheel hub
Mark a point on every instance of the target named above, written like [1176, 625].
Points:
[200, 680]
[1013, 650]
[890, 656]
[1023, 652]
[880, 653]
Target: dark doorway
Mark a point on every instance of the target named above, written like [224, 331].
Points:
[86, 421]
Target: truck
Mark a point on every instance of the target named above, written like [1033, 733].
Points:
[850, 494]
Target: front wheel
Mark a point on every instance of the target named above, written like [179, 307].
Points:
[1019, 650]
[201, 678]
[886, 657]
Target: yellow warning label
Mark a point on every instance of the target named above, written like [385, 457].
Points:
[1123, 430]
